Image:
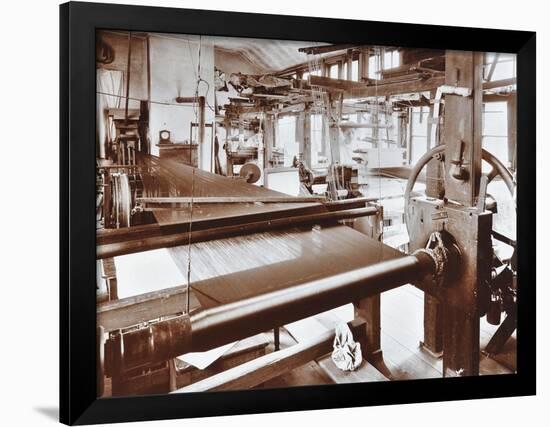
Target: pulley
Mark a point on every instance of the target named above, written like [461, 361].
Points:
[250, 172]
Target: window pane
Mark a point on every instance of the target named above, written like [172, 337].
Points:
[373, 67]
[418, 148]
[316, 135]
[497, 146]
[286, 138]
[495, 120]
[420, 122]
[355, 70]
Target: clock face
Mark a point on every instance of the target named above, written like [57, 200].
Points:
[164, 134]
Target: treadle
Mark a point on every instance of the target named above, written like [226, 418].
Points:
[365, 373]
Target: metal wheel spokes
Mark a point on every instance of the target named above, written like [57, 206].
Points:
[437, 153]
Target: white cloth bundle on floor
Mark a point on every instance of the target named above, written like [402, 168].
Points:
[347, 354]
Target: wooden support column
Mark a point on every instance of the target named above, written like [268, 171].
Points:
[334, 132]
[364, 65]
[306, 155]
[462, 135]
[433, 310]
[349, 61]
[107, 199]
[409, 134]
[463, 127]
[299, 132]
[431, 137]
[433, 326]
[205, 152]
[369, 308]
[269, 138]
[229, 162]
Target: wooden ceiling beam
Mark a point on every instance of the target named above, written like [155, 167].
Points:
[353, 89]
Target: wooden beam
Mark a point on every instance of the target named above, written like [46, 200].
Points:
[462, 133]
[335, 84]
[363, 65]
[352, 125]
[141, 244]
[494, 97]
[499, 83]
[232, 199]
[356, 89]
[138, 232]
[326, 49]
[265, 368]
[130, 311]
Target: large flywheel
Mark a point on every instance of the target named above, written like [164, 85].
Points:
[438, 154]
[501, 292]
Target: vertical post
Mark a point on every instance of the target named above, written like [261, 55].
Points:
[369, 308]
[463, 127]
[107, 199]
[299, 133]
[472, 232]
[148, 48]
[333, 131]
[204, 156]
[128, 72]
[433, 310]
[307, 139]
[409, 134]
[433, 326]
[349, 61]
[431, 139]
[228, 162]
[268, 138]
[512, 129]
[364, 65]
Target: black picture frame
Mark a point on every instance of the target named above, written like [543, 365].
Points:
[78, 25]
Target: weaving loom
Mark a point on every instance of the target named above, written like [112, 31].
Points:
[248, 262]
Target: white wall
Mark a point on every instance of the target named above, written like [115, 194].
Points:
[234, 62]
[174, 65]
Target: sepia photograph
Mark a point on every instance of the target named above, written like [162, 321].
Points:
[275, 213]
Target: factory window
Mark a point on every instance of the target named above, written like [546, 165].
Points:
[306, 74]
[374, 67]
[355, 70]
[495, 131]
[333, 71]
[316, 136]
[286, 138]
[504, 68]
[391, 59]
[419, 132]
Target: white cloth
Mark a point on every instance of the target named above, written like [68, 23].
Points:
[347, 354]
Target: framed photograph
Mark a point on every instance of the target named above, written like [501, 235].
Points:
[268, 213]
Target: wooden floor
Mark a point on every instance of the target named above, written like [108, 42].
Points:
[402, 330]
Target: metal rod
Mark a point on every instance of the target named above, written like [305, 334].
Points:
[128, 72]
[230, 199]
[221, 325]
[167, 241]
[230, 322]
